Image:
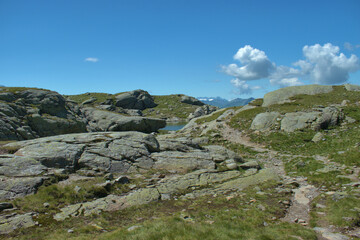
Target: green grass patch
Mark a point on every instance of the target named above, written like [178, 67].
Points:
[20, 89]
[169, 106]
[343, 212]
[307, 167]
[256, 102]
[100, 97]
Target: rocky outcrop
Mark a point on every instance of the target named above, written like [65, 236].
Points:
[265, 121]
[321, 119]
[191, 100]
[352, 87]
[11, 222]
[31, 113]
[137, 99]
[202, 111]
[215, 182]
[99, 120]
[35, 160]
[284, 94]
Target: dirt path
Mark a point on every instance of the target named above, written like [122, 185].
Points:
[299, 211]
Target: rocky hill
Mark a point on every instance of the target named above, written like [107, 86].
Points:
[31, 113]
[283, 167]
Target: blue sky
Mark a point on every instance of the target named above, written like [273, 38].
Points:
[196, 47]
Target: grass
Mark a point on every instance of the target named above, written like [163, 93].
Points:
[242, 120]
[348, 207]
[59, 196]
[307, 167]
[342, 210]
[170, 106]
[100, 97]
[19, 89]
[243, 216]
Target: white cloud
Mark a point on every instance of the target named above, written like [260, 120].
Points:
[322, 65]
[242, 87]
[285, 82]
[91, 59]
[328, 66]
[256, 64]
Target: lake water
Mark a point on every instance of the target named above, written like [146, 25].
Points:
[173, 126]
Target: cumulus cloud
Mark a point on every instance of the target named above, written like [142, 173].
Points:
[91, 59]
[256, 64]
[322, 65]
[328, 65]
[242, 87]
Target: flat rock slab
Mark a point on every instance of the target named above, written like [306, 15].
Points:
[9, 223]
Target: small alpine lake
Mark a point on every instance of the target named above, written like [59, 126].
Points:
[174, 126]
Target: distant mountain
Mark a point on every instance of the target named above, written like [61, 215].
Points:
[224, 103]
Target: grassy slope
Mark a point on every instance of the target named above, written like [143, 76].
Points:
[244, 216]
[170, 106]
[341, 146]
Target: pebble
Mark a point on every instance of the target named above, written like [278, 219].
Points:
[132, 228]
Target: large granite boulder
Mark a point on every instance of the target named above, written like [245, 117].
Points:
[264, 121]
[191, 100]
[321, 119]
[31, 113]
[202, 111]
[99, 120]
[282, 95]
[137, 99]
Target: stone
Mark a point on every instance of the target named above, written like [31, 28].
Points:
[183, 161]
[352, 87]
[231, 164]
[132, 228]
[264, 121]
[322, 119]
[327, 234]
[350, 120]
[9, 223]
[318, 137]
[191, 100]
[11, 188]
[99, 121]
[250, 164]
[5, 205]
[137, 99]
[122, 180]
[89, 101]
[284, 94]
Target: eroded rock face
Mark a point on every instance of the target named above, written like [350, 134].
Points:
[32, 113]
[222, 182]
[264, 121]
[202, 111]
[24, 171]
[99, 120]
[137, 99]
[191, 100]
[322, 119]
